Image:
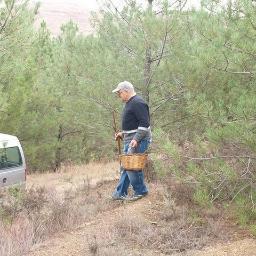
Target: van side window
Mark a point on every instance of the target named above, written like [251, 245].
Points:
[10, 157]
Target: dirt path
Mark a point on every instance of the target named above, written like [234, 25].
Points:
[245, 247]
[98, 236]
[97, 233]
[95, 238]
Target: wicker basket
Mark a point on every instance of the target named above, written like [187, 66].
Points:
[133, 161]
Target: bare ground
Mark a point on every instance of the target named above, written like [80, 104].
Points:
[147, 227]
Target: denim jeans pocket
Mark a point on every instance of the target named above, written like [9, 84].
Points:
[143, 146]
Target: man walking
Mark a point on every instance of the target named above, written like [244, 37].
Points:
[136, 134]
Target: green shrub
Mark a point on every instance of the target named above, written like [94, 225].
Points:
[201, 196]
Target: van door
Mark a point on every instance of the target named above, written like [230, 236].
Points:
[12, 166]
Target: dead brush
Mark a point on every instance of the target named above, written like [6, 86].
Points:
[169, 200]
[46, 213]
[174, 229]
[86, 186]
[134, 230]
[176, 236]
[9, 210]
[63, 215]
[34, 199]
[150, 170]
[16, 238]
[94, 246]
[181, 236]
[110, 251]
[102, 244]
[10, 205]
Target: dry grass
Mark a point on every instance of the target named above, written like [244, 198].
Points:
[168, 237]
[164, 222]
[17, 238]
[158, 225]
[72, 177]
[41, 214]
[67, 200]
[173, 227]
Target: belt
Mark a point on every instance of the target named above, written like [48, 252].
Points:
[139, 128]
[130, 131]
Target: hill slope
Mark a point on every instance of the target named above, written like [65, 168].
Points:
[57, 12]
[154, 225]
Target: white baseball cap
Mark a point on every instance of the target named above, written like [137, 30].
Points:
[125, 85]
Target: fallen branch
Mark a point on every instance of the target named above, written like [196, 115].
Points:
[217, 157]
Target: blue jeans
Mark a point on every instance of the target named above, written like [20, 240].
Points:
[135, 178]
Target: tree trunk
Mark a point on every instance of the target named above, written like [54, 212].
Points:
[147, 74]
[147, 65]
[58, 150]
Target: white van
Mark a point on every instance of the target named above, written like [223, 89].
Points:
[12, 161]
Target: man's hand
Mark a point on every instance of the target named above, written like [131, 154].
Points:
[118, 135]
[133, 144]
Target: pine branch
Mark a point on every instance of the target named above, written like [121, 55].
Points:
[2, 26]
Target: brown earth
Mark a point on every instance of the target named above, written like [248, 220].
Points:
[58, 12]
[104, 233]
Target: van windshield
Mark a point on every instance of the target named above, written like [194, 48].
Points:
[10, 157]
